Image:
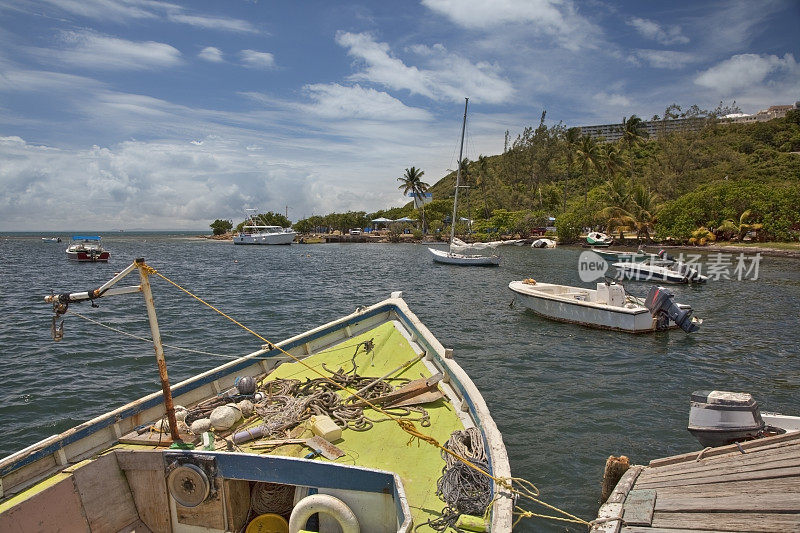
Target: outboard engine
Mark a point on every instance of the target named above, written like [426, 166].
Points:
[662, 306]
[717, 418]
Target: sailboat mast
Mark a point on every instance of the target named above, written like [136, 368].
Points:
[458, 173]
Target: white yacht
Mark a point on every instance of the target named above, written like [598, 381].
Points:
[255, 233]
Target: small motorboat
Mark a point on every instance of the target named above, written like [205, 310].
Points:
[717, 418]
[621, 256]
[606, 307]
[87, 248]
[660, 268]
[51, 239]
[543, 243]
[595, 238]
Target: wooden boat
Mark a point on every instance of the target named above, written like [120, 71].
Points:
[607, 307]
[117, 472]
[595, 238]
[258, 233]
[613, 256]
[453, 256]
[87, 248]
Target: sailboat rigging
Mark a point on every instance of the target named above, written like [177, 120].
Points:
[452, 256]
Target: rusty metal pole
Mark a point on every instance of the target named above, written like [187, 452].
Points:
[162, 363]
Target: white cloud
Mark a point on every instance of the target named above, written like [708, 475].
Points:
[93, 50]
[613, 100]
[213, 23]
[254, 59]
[746, 70]
[334, 101]
[557, 19]
[667, 59]
[665, 35]
[445, 77]
[210, 53]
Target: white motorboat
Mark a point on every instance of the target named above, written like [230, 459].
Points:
[454, 255]
[543, 243]
[203, 469]
[87, 248]
[255, 233]
[51, 239]
[606, 307]
[595, 238]
[661, 268]
[717, 418]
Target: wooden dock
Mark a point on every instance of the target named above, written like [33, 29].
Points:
[754, 486]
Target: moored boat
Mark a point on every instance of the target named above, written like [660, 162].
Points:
[595, 238]
[606, 307]
[87, 248]
[452, 258]
[255, 232]
[258, 462]
[543, 243]
[51, 239]
[622, 256]
[659, 268]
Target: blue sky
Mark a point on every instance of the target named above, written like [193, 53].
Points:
[167, 115]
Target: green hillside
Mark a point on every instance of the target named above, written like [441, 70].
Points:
[722, 181]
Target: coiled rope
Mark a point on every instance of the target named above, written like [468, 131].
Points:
[517, 486]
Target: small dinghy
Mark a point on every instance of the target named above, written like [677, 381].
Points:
[543, 243]
[265, 441]
[607, 307]
[661, 268]
[613, 256]
[717, 418]
[595, 238]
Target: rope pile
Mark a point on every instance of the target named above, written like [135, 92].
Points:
[271, 498]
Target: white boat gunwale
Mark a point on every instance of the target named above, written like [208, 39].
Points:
[55, 453]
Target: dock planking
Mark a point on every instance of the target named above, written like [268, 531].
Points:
[752, 487]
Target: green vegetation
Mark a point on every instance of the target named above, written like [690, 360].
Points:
[221, 227]
[723, 181]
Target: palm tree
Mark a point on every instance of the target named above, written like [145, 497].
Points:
[633, 134]
[634, 209]
[412, 182]
[611, 160]
[572, 137]
[589, 156]
[480, 181]
[729, 228]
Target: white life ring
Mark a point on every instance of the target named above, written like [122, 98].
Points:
[323, 503]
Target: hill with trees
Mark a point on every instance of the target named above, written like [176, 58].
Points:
[712, 179]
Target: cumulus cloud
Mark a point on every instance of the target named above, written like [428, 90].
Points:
[210, 53]
[337, 101]
[745, 70]
[650, 29]
[557, 19]
[254, 59]
[666, 59]
[93, 50]
[445, 77]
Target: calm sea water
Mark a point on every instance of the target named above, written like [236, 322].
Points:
[565, 397]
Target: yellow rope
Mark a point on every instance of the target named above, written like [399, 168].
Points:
[526, 489]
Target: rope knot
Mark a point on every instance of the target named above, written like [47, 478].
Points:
[409, 427]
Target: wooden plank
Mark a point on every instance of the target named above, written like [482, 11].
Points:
[136, 527]
[149, 489]
[57, 508]
[779, 440]
[140, 459]
[740, 459]
[103, 487]
[755, 487]
[624, 485]
[715, 477]
[210, 513]
[638, 507]
[733, 467]
[717, 521]
[638, 529]
[775, 501]
[237, 503]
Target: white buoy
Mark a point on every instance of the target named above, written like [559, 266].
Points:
[225, 416]
[200, 426]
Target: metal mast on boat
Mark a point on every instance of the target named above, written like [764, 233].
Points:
[458, 175]
[61, 302]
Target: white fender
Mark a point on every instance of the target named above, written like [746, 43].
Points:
[323, 503]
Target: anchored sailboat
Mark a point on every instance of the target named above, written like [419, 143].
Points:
[453, 255]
